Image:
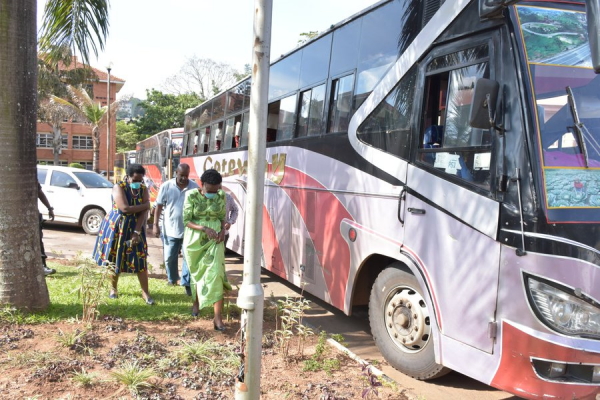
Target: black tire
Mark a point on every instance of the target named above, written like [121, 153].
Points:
[405, 341]
[92, 220]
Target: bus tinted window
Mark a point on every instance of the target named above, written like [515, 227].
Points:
[284, 76]
[315, 61]
[448, 143]
[218, 107]
[389, 127]
[287, 116]
[340, 108]
[310, 119]
[228, 139]
[344, 51]
[385, 34]
[235, 99]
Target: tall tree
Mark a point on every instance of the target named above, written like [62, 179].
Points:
[22, 282]
[202, 76]
[164, 111]
[53, 112]
[127, 136]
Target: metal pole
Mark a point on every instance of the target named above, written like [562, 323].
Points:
[108, 125]
[251, 296]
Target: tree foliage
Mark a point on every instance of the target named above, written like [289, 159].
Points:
[306, 36]
[202, 76]
[127, 136]
[164, 111]
[78, 25]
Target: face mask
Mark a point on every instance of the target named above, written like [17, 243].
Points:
[135, 185]
[210, 195]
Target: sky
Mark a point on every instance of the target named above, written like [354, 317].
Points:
[149, 40]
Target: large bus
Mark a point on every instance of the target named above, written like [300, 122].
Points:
[438, 162]
[160, 155]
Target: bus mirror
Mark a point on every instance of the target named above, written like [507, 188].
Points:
[483, 107]
[493, 8]
[592, 10]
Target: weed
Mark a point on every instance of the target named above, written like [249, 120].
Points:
[83, 378]
[317, 362]
[11, 315]
[372, 382]
[338, 337]
[217, 358]
[134, 377]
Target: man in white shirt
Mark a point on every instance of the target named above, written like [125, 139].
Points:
[170, 199]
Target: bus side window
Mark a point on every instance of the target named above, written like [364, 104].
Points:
[448, 143]
[340, 106]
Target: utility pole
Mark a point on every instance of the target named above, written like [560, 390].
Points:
[251, 295]
[108, 68]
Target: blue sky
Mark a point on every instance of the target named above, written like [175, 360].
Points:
[150, 39]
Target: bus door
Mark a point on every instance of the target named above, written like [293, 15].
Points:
[451, 217]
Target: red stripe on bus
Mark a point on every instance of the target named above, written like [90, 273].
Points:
[270, 245]
[327, 212]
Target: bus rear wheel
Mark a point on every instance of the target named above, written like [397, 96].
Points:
[401, 324]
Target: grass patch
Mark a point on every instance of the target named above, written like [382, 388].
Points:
[171, 302]
[84, 378]
[134, 377]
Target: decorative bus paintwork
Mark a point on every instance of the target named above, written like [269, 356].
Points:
[476, 250]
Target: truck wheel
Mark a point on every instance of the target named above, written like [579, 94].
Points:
[401, 324]
[91, 221]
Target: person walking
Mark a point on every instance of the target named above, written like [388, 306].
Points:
[204, 219]
[44, 200]
[122, 237]
[170, 199]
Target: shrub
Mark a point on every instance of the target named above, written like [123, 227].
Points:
[76, 165]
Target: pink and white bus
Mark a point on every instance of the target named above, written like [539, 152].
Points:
[438, 162]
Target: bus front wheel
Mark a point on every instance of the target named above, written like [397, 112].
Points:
[401, 324]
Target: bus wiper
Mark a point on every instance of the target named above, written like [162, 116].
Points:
[579, 126]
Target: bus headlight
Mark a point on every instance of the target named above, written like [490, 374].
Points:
[562, 311]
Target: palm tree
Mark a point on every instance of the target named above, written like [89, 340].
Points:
[22, 282]
[94, 113]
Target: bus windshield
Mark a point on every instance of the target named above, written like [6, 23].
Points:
[566, 92]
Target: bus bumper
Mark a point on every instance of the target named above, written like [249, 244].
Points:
[535, 368]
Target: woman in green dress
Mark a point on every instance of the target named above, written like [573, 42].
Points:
[204, 251]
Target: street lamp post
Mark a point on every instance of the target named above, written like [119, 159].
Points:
[108, 68]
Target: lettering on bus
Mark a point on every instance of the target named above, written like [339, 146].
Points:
[274, 171]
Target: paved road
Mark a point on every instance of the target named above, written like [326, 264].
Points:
[65, 242]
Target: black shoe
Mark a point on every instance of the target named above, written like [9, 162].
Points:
[49, 271]
[188, 290]
[218, 328]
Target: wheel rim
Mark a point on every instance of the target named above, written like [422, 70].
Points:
[93, 222]
[407, 319]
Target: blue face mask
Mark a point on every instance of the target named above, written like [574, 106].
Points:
[135, 185]
[210, 195]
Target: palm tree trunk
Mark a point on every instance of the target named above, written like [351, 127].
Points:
[96, 149]
[22, 282]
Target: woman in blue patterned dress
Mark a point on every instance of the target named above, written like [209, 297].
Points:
[122, 237]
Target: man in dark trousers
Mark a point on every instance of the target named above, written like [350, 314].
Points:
[44, 200]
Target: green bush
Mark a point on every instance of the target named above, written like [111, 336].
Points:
[76, 165]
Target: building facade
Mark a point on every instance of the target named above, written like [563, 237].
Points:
[77, 144]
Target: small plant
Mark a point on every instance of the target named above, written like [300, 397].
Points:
[83, 378]
[134, 377]
[338, 337]
[317, 362]
[217, 358]
[372, 382]
[11, 315]
[69, 340]
[292, 313]
[94, 284]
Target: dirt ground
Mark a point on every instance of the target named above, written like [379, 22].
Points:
[63, 361]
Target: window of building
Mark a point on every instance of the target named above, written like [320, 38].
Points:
[340, 108]
[389, 127]
[83, 142]
[310, 118]
[61, 163]
[44, 140]
[448, 142]
[86, 164]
